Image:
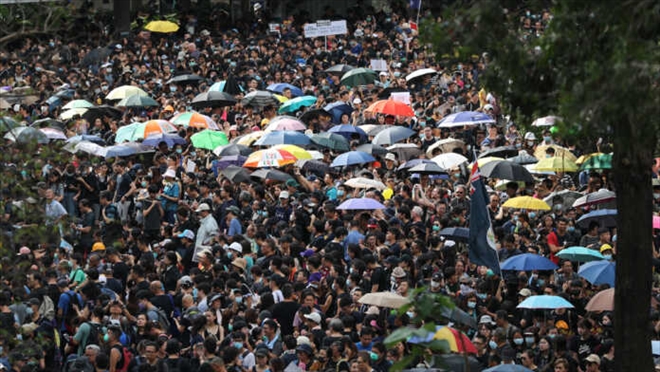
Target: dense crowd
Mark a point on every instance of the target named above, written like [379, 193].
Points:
[149, 265]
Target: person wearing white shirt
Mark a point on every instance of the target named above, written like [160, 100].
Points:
[208, 228]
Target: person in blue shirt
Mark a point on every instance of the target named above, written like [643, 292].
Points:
[354, 237]
[366, 339]
[234, 223]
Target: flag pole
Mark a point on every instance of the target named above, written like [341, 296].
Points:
[419, 9]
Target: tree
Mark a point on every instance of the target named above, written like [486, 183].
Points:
[32, 19]
[596, 65]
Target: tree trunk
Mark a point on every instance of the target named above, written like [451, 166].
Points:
[633, 154]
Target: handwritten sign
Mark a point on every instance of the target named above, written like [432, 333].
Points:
[325, 28]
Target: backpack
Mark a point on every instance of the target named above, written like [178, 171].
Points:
[125, 360]
[47, 308]
[70, 314]
[95, 335]
[162, 318]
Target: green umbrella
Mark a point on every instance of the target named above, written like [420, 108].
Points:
[138, 101]
[359, 76]
[77, 103]
[603, 161]
[7, 124]
[209, 139]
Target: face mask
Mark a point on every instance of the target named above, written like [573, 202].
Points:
[457, 175]
[348, 282]
[193, 154]
[351, 270]
[104, 87]
[397, 74]
[106, 338]
[492, 344]
[265, 338]
[172, 89]
[340, 192]
[532, 215]
[552, 335]
[144, 183]
[607, 256]
[238, 345]
[410, 314]
[179, 151]
[547, 138]
[606, 322]
[482, 296]
[518, 145]
[529, 340]
[518, 341]
[228, 254]
[436, 228]
[540, 282]
[656, 196]
[239, 299]
[373, 356]
[530, 143]
[571, 228]
[230, 327]
[29, 311]
[515, 218]
[51, 44]
[472, 304]
[435, 284]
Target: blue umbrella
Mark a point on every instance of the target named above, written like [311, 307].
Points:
[508, 368]
[87, 137]
[279, 88]
[348, 131]
[297, 103]
[361, 204]
[393, 135]
[598, 272]
[528, 262]
[456, 233]
[283, 137]
[126, 149]
[545, 302]
[169, 138]
[352, 158]
[337, 109]
[604, 217]
[580, 254]
[463, 118]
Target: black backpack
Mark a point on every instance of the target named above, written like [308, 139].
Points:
[95, 336]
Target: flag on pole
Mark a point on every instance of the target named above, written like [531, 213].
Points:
[415, 4]
[481, 242]
[413, 26]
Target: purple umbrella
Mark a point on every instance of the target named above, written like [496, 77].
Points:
[225, 161]
[361, 204]
[169, 138]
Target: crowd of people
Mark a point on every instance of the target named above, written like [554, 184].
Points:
[148, 265]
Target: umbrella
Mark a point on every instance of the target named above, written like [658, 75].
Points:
[349, 131]
[53, 134]
[546, 121]
[298, 152]
[260, 98]
[506, 170]
[560, 152]
[523, 158]
[372, 149]
[236, 174]
[7, 123]
[24, 135]
[284, 137]
[602, 301]
[427, 168]
[449, 160]
[213, 99]
[359, 76]
[285, 122]
[85, 146]
[86, 137]
[598, 197]
[421, 73]
[271, 174]
[280, 87]
[77, 103]
[373, 129]
[464, 118]
[412, 163]
[393, 135]
[445, 145]
[458, 341]
[565, 198]
[185, 79]
[545, 302]
[227, 86]
[225, 161]
[138, 131]
[365, 183]
[508, 368]
[195, 120]
[164, 27]
[170, 139]
[361, 204]
[69, 114]
[317, 167]
[126, 149]
[457, 315]
[501, 152]
[598, 272]
[456, 233]
[297, 103]
[339, 69]
[138, 101]
[209, 139]
[96, 56]
[602, 161]
[310, 115]
[483, 161]
[100, 111]
[232, 149]
[384, 299]
[352, 158]
[48, 123]
[248, 139]
[337, 109]
[527, 202]
[604, 217]
[391, 107]
[580, 254]
[456, 362]
[528, 262]
[332, 141]
[269, 158]
[556, 164]
[405, 151]
[125, 91]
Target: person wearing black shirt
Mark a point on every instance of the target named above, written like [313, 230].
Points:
[285, 311]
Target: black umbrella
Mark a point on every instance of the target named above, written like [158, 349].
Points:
[185, 79]
[236, 174]
[317, 167]
[456, 362]
[260, 98]
[427, 168]
[501, 152]
[213, 99]
[385, 93]
[524, 158]
[506, 170]
[339, 70]
[48, 123]
[95, 57]
[332, 141]
[456, 315]
[231, 86]
[271, 174]
[456, 233]
[313, 114]
[232, 149]
[372, 149]
[100, 111]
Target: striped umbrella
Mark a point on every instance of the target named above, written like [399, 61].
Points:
[195, 120]
[138, 131]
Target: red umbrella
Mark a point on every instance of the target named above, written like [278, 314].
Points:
[391, 107]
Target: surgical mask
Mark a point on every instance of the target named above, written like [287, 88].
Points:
[540, 282]
[340, 192]
[436, 228]
[472, 304]
[530, 143]
[547, 138]
[179, 151]
[193, 153]
[552, 335]
[435, 284]
[104, 87]
[607, 256]
[348, 282]
[106, 338]
[515, 218]
[351, 270]
[229, 254]
[29, 311]
[38, 69]
[532, 215]
[656, 196]
[239, 299]
[529, 340]
[518, 145]
[518, 341]
[457, 174]
[373, 356]
[51, 44]
[172, 89]
[571, 228]
[397, 74]
[492, 344]
[333, 286]
[410, 314]
[230, 327]
[482, 296]
[238, 345]
[144, 183]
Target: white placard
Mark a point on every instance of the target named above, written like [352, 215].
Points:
[401, 97]
[378, 65]
[274, 27]
[326, 28]
[190, 166]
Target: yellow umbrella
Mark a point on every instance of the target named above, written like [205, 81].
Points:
[164, 27]
[556, 164]
[486, 160]
[298, 152]
[250, 138]
[584, 158]
[539, 153]
[280, 98]
[527, 202]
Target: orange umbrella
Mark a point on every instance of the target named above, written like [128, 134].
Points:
[195, 120]
[602, 301]
[270, 158]
[391, 107]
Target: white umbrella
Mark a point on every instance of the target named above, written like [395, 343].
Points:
[420, 73]
[445, 145]
[449, 160]
[546, 121]
[384, 299]
[69, 114]
[365, 183]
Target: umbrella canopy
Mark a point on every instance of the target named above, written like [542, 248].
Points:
[527, 202]
[332, 141]
[373, 129]
[48, 123]
[565, 198]
[372, 149]
[236, 174]
[502, 152]
[604, 217]
[271, 174]
[602, 301]
[126, 149]
[405, 151]
[77, 103]
[165, 27]
[7, 123]
[100, 111]
[248, 139]
[298, 152]
[259, 99]
[138, 101]
[232, 149]
[310, 115]
[556, 164]
[412, 163]
[170, 139]
[546, 121]
[456, 233]
[69, 114]
[227, 86]
[384, 299]
[366, 204]
[580, 254]
[209, 139]
[450, 160]
[483, 161]
[53, 134]
[444, 145]
[464, 118]
[280, 87]
[85, 146]
[225, 161]
[598, 272]
[138, 131]
[508, 368]
[352, 158]
[545, 302]
[337, 109]
[421, 73]
[195, 120]
[25, 135]
[339, 69]
[523, 158]
[185, 79]
[459, 316]
[297, 103]
[528, 262]
[560, 152]
[506, 170]
[285, 122]
[269, 158]
[359, 76]
[598, 197]
[603, 161]
[86, 137]
[457, 340]
[365, 183]
[125, 91]
[284, 137]
[393, 135]
[391, 107]
[317, 167]
[349, 131]
[427, 168]
[213, 99]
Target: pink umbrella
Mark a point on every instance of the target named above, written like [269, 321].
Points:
[656, 222]
[285, 123]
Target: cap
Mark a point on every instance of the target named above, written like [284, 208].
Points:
[488, 107]
[204, 252]
[34, 301]
[187, 234]
[185, 280]
[169, 108]
[305, 349]
[170, 173]
[63, 282]
[292, 183]
[392, 260]
[203, 207]
[372, 224]
[261, 351]
[372, 310]
[390, 156]
[284, 194]
[398, 272]
[605, 247]
[592, 358]
[314, 317]
[236, 246]
[529, 136]
[98, 246]
[525, 292]
[240, 262]
[383, 73]
[24, 251]
[307, 253]
[449, 243]
[233, 127]
[561, 324]
[233, 209]
[303, 340]
[486, 319]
